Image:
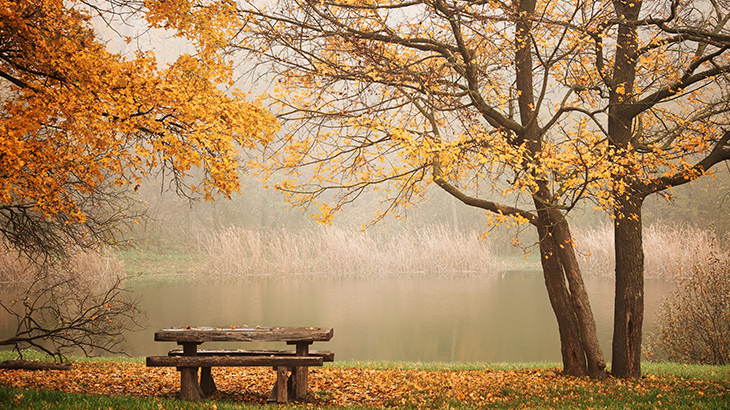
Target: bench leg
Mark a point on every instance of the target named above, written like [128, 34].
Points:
[207, 384]
[300, 376]
[281, 382]
[279, 392]
[189, 387]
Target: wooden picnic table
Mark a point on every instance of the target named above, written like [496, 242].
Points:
[191, 358]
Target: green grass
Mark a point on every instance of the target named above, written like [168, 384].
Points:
[52, 400]
[438, 366]
[147, 262]
[579, 398]
[703, 372]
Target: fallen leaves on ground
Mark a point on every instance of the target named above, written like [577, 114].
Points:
[359, 386]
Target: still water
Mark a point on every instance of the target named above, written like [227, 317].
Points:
[504, 318]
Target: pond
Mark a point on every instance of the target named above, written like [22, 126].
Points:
[505, 318]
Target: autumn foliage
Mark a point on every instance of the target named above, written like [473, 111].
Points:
[77, 118]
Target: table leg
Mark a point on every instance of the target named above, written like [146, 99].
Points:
[281, 382]
[280, 391]
[189, 387]
[207, 384]
[300, 374]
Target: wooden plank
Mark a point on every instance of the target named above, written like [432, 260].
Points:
[246, 334]
[228, 361]
[327, 355]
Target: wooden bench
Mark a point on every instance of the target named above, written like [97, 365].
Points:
[188, 359]
[283, 362]
[207, 383]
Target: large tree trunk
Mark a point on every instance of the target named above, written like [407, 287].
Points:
[578, 296]
[629, 297]
[629, 300]
[571, 305]
[571, 349]
[579, 342]
[569, 326]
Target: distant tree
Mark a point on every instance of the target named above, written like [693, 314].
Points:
[548, 103]
[80, 126]
[694, 324]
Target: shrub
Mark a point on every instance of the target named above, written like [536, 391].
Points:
[694, 325]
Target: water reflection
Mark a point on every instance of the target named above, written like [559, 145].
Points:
[488, 319]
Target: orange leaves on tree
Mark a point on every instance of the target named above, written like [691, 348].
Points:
[77, 115]
[382, 92]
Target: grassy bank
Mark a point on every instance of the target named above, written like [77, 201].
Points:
[156, 263]
[129, 384]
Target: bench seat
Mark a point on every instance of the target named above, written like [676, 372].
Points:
[327, 356]
[222, 361]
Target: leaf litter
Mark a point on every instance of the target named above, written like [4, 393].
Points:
[355, 386]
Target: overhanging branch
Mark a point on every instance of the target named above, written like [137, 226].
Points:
[478, 202]
[719, 153]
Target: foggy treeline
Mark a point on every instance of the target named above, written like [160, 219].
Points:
[257, 233]
[173, 221]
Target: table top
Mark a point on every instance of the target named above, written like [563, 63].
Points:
[244, 334]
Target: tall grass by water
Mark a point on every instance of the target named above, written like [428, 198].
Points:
[669, 250]
[94, 265]
[346, 252]
[435, 250]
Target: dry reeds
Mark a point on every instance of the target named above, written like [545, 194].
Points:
[102, 265]
[668, 250]
[92, 265]
[340, 252]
